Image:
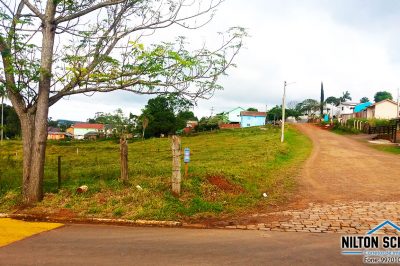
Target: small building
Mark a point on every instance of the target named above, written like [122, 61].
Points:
[192, 124]
[346, 108]
[386, 109]
[360, 108]
[59, 135]
[80, 129]
[93, 135]
[54, 133]
[252, 119]
[234, 115]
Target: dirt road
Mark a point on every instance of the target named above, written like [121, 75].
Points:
[341, 168]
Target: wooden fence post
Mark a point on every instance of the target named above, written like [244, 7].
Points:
[59, 173]
[124, 159]
[176, 165]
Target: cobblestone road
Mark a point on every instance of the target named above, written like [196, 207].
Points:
[357, 217]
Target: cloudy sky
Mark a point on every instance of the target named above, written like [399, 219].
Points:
[348, 44]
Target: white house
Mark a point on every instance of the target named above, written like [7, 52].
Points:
[386, 109]
[79, 130]
[234, 115]
[332, 110]
[346, 108]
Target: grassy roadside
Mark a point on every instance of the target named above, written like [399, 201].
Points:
[345, 131]
[387, 148]
[350, 131]
[228, 174]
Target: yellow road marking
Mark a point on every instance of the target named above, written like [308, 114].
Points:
[14, 230]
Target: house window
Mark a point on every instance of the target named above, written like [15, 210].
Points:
[342, 108]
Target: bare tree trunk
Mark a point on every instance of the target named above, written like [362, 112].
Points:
[2, 118]
[34, 120]
[124, 159]
[34, 145]
[176, 165]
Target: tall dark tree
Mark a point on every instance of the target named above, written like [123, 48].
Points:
[382, 95]
[322, 102]
[364, 100]
[52, 49]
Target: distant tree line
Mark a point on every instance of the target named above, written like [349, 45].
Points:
[12, 126]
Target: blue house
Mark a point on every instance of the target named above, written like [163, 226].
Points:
[361, 107]
[252, 119]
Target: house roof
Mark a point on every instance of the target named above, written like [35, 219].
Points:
[386, 100]
[252, 113]
[362, 106]
[53, 129]
[349, 103]
[87, 125]
[61, 133]
[235, 109]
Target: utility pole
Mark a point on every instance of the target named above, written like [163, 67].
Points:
[284, 109]
[398, 102]
[283, 112]
[212, 111]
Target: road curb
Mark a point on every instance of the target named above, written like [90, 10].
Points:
[29, 217]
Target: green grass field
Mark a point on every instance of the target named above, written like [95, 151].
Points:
[252, 161]
[387, 148]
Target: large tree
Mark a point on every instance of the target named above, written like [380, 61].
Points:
[309, 106]
[382, 95]
[54, 49]
[333, 100]
[2, 96]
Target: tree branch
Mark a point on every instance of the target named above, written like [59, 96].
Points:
[88, 10]
[33, 9]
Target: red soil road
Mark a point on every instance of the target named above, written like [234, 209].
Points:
[342, 168]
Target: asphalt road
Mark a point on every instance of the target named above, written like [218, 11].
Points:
[117, 245]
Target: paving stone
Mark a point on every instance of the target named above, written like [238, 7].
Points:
[343, 217]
